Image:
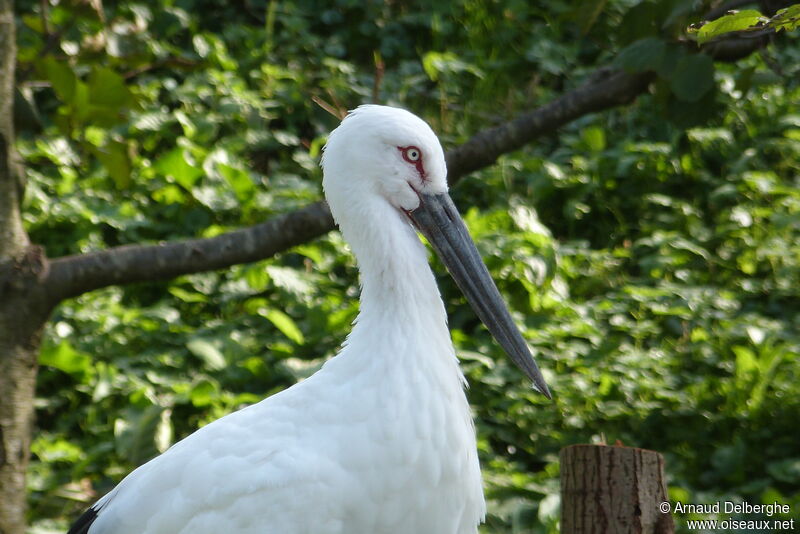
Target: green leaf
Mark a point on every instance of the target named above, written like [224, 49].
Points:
[311, 252]
[187, 296]
[61, 78]
[642, 55]
[114, 157]
[669, 61]
[174, 165]
[239, 180]
[693, 77]
[80, 103]
[34, 22]
[595, 138]
[746, 362]
[107, 89]
[211, 355]
[787, 19]
[204, 392]
[56, 450]
[739, 21]
[65, 358]
[256, 277]
[284, 323]
[436, 64]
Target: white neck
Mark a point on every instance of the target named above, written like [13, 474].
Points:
[402, 318]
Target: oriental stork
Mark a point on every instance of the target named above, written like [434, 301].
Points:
[380, 440]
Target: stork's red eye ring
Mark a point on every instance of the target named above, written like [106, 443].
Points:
[413, 155]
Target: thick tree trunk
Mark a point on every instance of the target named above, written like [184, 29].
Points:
[19, 348]
[613, 490]
[20, 325]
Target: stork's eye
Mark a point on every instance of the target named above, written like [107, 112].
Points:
[412, 154]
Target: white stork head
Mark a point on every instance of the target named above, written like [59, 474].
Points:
[392, 157]
[384, 151]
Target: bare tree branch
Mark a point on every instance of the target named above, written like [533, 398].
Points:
[72, 275]
[604, 90]
[734, 48]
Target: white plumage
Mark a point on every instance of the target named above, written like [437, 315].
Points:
[380, 440]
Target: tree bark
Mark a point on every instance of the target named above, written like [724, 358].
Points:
[70, 276]
[20, 336]
[20, 326]
[613, 490]
[12, 235]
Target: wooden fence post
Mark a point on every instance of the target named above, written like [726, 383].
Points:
[613, 490]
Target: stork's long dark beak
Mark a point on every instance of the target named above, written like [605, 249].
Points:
[439, 221]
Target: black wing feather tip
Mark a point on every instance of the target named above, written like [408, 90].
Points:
[81, 526]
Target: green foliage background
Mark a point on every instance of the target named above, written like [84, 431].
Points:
[650, 253]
